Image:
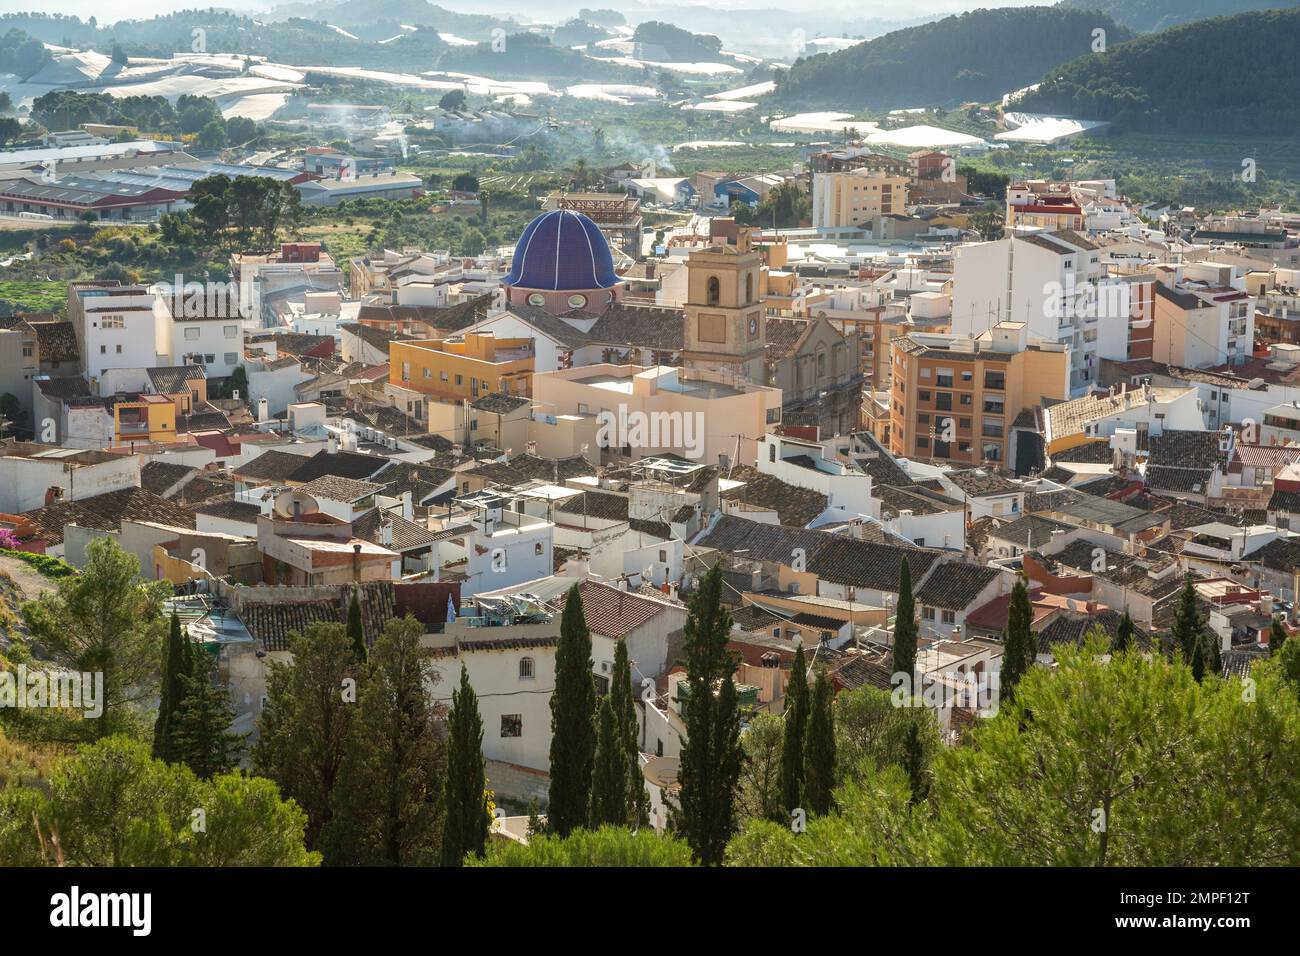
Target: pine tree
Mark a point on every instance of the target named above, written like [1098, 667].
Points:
[638, 799]
[1276, 635]
[1123, 635]
[1198, 660]
[709, 767]
[388, 799]
[465, 820]
[1019, 648]
[573, 712]
[905, 628]
[304, 728]
[914, 762]
[609, 776]
[1187, 620]
[356, 631]
[200, 726]
[795, 729]
[175, 667]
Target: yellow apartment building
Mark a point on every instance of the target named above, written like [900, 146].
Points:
[464, 367]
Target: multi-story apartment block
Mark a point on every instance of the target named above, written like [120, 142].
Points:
[122, 332]
[954, 399]
[857, 198]
[1053, 283]
[1204, 316]
[475, 364]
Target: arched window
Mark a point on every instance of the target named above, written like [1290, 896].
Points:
[525, 668]
[749, 288]
[715, 291]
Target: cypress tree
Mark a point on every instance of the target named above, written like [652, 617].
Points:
[1123, 635]
[1212, 657]
[819, 770]
[1019, 649]
[625, 722]
[465, 820]
[356, 632]
[609, 776]
[1187, 620]
[573, 712]
[1198, 660]
[1276, 635]
[175, 667]
[709, 768]
[914, 762]
[200, 726]
[796, 725]
[905, 628]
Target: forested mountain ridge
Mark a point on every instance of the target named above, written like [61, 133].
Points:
[1225, 74]
[976, 56]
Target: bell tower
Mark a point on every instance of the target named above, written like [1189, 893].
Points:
[725, 327]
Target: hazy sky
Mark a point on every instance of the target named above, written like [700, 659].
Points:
[110, 10]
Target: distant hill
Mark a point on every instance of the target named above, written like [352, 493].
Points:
[976, 56]
[294, 41]
[529, 56]
[363, 14]
[1149, 15]
[1226, 74]
[665, 43]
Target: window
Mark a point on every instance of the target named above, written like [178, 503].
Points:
[537, 299]
[526, 668]
[539, 548]
[512, 725]
[663, 556]
[950, 617]
[230, 331]
[442, 376]
[119, 349]
[713, 294]
[927, 613]
[209, 358]
[103, 350]
[406, 371]
[231, 358]
[192, 333]
[771, 453]
[923, 396]
[113, 322]
[577, 301]
[459, 380]
[27, 351]
[428, 372]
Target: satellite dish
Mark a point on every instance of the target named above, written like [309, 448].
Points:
[293, 502]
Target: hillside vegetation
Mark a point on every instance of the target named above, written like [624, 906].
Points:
[977, 56]
[1224, 75]
[1147, 15]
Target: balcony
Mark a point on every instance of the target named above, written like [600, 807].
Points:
[997, 383]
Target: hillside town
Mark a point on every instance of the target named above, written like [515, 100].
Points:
[713, 509]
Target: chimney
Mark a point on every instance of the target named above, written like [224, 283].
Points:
[356, 563]
[262, 410]
[333, 445]
[386, 532]
[52, 494]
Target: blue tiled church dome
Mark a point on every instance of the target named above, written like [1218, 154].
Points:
[562, 250]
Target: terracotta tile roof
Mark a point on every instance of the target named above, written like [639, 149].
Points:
[231, 510]
[159, 477]
[611, 612]
[498, 403]
[175, 379]
[1072, 628]
[407, 535]
[526, 467]
[271, 619]
[57, 341]
[794, 506]
[106, 512]
[653, 328]
[596, 504]
[955, 586]
[270, 466]
[342, 464]
[345, 490]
